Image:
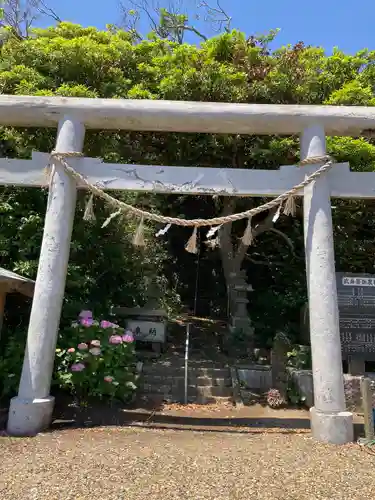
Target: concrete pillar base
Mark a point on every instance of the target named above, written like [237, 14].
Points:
[27, 417]
[334, 428]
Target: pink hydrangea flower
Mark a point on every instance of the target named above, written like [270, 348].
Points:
[108, 379]
[87, 321]
[71, 349]
[128, 337]
[86, 315]
[105, 324]
[83, 346]
[95, 343]
[115, 339]
[95, 351]
[77, 367]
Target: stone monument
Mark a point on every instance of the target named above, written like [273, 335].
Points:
[148, 323]
[279, 361]
[240, 319]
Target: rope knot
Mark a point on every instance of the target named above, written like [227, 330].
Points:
[68, 154]
[59, 156]
[315, 160]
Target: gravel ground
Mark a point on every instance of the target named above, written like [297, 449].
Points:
[138, 463]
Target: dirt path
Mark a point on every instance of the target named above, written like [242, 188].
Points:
[135, 464]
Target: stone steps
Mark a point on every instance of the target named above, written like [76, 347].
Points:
[203, 391]
[158, 370]
[201, 400]
[213, 381]
[207, 383]
[197, 381]
[208, 391]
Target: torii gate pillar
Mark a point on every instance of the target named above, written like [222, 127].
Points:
[330, 422]
[31, 411]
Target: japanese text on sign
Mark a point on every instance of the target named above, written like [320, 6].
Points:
[350, 281]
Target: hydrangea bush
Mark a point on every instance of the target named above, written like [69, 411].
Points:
[96, 359]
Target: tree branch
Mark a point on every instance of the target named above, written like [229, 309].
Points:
[130, 20]
[264, 226]
[167, 21]
[225, 232]
[217, 15]
[183, 27]
[264, 262]
[282, 235]
[20, 16]
[286, 238]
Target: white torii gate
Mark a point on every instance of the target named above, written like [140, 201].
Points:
[31, 411]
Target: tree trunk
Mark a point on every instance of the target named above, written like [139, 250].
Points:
[229, 263]
[232, 258]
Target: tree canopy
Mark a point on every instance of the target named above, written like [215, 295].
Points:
[105, 269]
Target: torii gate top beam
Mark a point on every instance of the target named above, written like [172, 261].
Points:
[181, 116]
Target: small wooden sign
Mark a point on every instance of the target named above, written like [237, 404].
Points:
[147, 331]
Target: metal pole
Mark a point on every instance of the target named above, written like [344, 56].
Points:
[186, 361]
[197, 280]
[228, 301]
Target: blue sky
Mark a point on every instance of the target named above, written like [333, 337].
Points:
[327, 23]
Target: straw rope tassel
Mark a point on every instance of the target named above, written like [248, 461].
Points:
[89, 214]
[137, 212]
[191, 245]
[47, 173]
[290, 206]
[110, 218]
[139, 236]
[248, 237]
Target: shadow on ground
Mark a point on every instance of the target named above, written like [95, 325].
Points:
[154, 418]
[153, 414]
[159, 421]
[72, 418]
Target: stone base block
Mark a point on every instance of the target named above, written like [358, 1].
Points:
[27, 417]
[334, 428]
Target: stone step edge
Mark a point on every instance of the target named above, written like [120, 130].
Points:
[182, 367]
[182, 385]
[191, 399]
[181, 373]
[193, 391]
[198, 381]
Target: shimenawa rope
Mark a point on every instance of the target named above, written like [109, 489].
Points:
[121, 206]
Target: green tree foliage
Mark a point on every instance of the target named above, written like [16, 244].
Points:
[70, 60]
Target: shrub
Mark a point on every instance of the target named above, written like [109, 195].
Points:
[300, 357]
[11, 365]
[96, 359]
